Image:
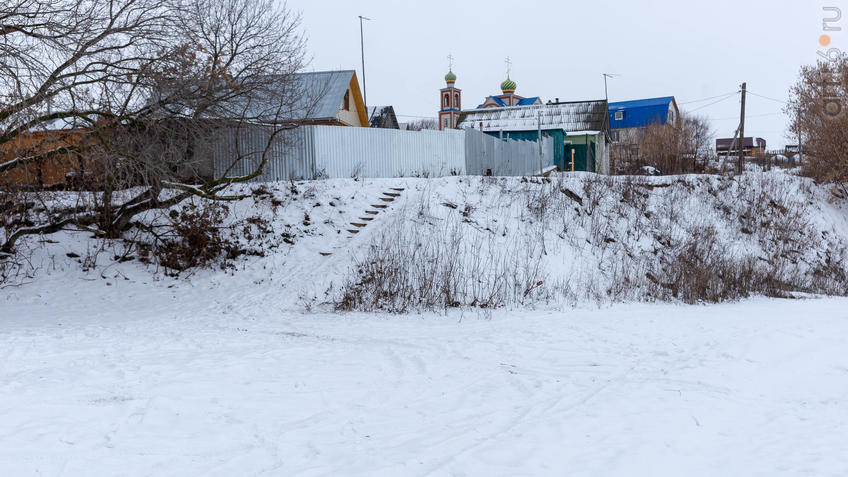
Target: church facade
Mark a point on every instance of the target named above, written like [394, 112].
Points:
[508, 97]
[451, 99]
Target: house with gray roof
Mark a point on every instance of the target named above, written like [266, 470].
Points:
[321, 97]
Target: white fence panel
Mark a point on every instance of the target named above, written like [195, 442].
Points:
[238, 151]
[365, 152]
[312, 152]
[487, 154]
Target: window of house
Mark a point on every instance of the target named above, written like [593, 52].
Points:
[347, 100]
[619, 115]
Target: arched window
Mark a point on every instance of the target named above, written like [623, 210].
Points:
[456, 100]
[346, 100]
[447, 100]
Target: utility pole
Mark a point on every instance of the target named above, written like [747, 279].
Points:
[362, 46]
[539, 132]
[741, 165]
[800, 147]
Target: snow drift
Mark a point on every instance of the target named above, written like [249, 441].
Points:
[406, 244]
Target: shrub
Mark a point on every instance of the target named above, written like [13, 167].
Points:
[196, 239]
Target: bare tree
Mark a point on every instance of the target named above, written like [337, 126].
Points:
[818, 108]
[673, 149]
[422, 124]
[698, 135]
[131, 91]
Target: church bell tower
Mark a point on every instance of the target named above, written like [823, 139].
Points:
[450, 100]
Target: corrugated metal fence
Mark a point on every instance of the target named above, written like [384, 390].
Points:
[313, 152]
[372, 152]
[488, 155]
[238, 151]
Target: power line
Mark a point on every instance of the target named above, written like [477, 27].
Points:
[710, 104]
[414, 116]
[747, 115]
[766, 97]
[707, 99]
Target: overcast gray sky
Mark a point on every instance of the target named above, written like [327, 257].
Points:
[691, 50]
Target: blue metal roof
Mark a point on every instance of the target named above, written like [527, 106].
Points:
[528, 101]
[495, 99]
[640, 112]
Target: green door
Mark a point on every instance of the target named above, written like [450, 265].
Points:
[579, 155]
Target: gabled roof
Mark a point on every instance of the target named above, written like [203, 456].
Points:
[640, 112]
[640, 103]
[382, 117]
[328, 87]
[570, 117]
[495, 99]
[315, 96]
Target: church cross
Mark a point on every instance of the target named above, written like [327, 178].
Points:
[508, 64]
[450, 62]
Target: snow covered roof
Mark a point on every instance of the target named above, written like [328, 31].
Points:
[572, 116]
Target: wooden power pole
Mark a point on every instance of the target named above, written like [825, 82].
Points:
[741, 164]
[800, 147]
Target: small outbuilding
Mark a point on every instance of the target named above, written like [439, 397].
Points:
[383, 117]
[580, 130]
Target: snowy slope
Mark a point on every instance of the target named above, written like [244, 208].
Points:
[625, 240]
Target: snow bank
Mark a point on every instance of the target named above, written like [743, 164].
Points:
[486, 242]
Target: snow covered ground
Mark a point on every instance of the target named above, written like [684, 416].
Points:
[112, 367]
[190, 383]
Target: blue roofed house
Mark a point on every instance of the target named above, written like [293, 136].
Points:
[628, 120]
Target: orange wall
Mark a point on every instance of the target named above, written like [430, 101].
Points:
[48, 171]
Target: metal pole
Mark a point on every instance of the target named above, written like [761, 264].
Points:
[362, 47]
[539, 133]
[607, 75]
